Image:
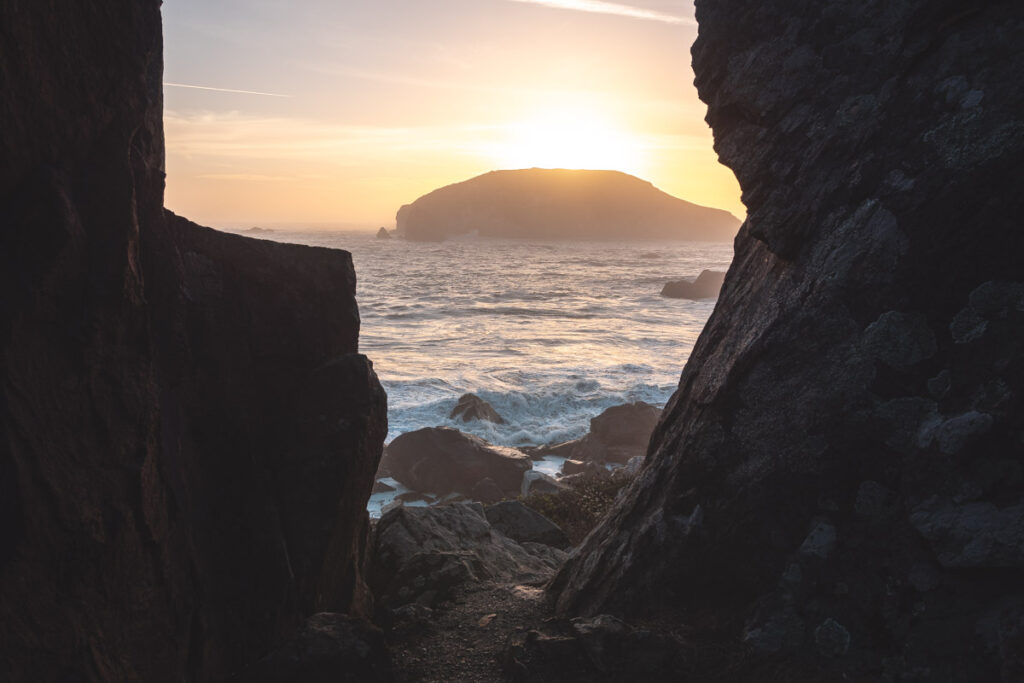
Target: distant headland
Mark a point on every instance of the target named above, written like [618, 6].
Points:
[539, 203]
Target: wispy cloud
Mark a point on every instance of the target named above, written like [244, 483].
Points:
[239, 92]
[601, 7]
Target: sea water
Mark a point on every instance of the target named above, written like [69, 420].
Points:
[550, 333]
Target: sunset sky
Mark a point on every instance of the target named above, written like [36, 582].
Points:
[351, 109]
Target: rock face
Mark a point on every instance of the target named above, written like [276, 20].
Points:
[541, 203]
[839, 476]
[472, 407]
[707, 286]
[618, 434]
[442, 460]
[187, 434]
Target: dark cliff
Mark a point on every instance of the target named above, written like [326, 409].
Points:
[542, 203]
[187, 433]
[839, 479]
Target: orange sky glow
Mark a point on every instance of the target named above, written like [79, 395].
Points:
[335, 114]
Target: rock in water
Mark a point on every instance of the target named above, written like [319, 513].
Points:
[472, 407]
[540, 203]
[442, 460]
[869, 336]
[618, 434]
[187, 434]
[707, 286]
[383, 234]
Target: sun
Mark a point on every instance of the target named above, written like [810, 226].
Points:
[578, 139]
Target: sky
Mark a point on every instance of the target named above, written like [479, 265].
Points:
[334, 113]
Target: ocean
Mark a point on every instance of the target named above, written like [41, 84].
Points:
[550, 333]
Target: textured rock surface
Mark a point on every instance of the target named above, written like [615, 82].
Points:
[524, 524]
[560, 204]
[839, 476]
[187, 436]
[425, 554]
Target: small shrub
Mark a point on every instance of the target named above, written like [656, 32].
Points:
[577, 510]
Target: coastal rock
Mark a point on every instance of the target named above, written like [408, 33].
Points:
[329, 648]
[383, 234]
[707, 286]
[618, 434]
[442, 460]
[424, 554]
[472, 407]
[542, 203]
[870, 329]
[538, 482]
[187, 432]
[525, 525]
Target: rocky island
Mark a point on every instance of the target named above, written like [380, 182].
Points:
[541, 203]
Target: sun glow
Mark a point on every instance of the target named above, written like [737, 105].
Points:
[571, 139]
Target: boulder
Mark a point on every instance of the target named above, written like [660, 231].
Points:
[329, 648]
[618, 434]
[381, 487]
[524, 524]
[383, 234]
[573, 466]
[472, 407]
[538, 482]
[442, 460]
[486, 491]
[426, 554]
[707, 286]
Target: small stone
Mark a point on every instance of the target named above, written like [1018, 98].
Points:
[820, 542]
[832, 638]
[486, 620]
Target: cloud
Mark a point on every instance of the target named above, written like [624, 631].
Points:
[239, 92]
[613, 8]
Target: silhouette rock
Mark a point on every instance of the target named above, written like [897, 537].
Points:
[541, 203]
[187, 434]
[706, 286]
[472, 407]
[871, 328]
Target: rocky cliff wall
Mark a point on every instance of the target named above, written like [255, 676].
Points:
[187, 433]
[839, 479]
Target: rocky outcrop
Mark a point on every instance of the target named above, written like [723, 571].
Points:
[472, 407]
[425, 555]
[525, 525]
[542, 203]
[443, 460]
[383, 234]
[707, 286]
[618, 434]
[838, 479]
[187, 434]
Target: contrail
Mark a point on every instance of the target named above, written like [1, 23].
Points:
[240, 92]
[601, 7]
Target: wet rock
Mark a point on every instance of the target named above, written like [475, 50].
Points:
[425, 555]
[443, 460]
[572, 466]
[329, 648]
[524, 524]
[618, 434]
[472, 407]
[706, 286]
[381, 487]
[538, 482]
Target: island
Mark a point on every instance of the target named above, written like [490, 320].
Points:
[540, 203]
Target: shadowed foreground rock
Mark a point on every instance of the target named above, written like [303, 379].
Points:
[187, 433]
[707, 286]
[838, 480]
